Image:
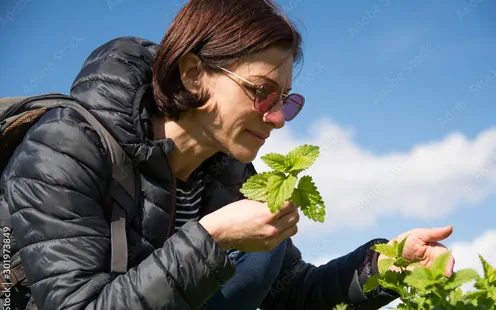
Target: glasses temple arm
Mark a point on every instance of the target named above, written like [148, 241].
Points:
[237, 76]
[243, 79]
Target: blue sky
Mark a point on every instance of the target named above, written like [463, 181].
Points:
[401, 75]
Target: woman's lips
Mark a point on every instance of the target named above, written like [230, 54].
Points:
[257, 135]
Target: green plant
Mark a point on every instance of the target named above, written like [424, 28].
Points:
[421, 287]
[281, 184]
[418, 287]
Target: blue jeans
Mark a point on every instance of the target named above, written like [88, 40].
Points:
[255, 274]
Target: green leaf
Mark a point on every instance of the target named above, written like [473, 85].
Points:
[299, 198]
[401, 262]
[420, 278]
[280, 188]
[421, 301]
[473, 295]
[399, 249]
[385, 284]
[394, 279]
[438, 267]
[395, 245]
[277, 162]
[385, 249]
[341, 306]
[255, 187]
[302, 157]
[491, 293]
[276, 186]
[385, 264]
[489, 272]
[461, 277]
[307, 197]
[371, 283]
[487, 301]
[393, 276]
[481, 284]
[455, 295]
[413, 263]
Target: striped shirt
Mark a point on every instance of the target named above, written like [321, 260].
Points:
[188, 199]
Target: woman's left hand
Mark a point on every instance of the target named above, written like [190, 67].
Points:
[423, 245]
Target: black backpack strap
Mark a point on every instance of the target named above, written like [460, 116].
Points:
[124, 187]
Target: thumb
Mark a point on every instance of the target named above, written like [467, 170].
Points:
[436, 234]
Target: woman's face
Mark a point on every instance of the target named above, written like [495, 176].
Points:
[236, 126]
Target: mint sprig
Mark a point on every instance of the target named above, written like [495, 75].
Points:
[428, 287]
[281, 184]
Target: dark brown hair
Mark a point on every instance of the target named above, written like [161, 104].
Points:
[219, 32]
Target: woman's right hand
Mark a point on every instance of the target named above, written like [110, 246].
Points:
[249, 226]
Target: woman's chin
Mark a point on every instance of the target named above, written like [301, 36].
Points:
[244, 155]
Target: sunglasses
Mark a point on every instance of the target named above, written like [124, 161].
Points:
[269, 94]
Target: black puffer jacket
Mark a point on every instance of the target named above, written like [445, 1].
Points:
[56, 184]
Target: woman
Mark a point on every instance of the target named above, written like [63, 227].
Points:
[192, 113]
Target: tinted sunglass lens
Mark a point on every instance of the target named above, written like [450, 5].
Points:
[292, 106]
[266, 97]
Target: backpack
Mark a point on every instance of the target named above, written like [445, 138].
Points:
[17, 115]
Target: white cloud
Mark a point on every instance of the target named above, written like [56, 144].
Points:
[427, 182]
[467, 253]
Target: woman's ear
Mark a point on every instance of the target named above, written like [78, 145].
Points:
[191, 71]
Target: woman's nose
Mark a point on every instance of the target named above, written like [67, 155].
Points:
[275, 116]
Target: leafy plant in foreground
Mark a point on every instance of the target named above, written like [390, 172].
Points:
[419, 287]
[281, 184]
[423, 287]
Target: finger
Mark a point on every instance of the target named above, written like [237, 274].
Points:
[287, 220]
[286, 208]
[288, 233]
[450, 267]
[435, 234]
